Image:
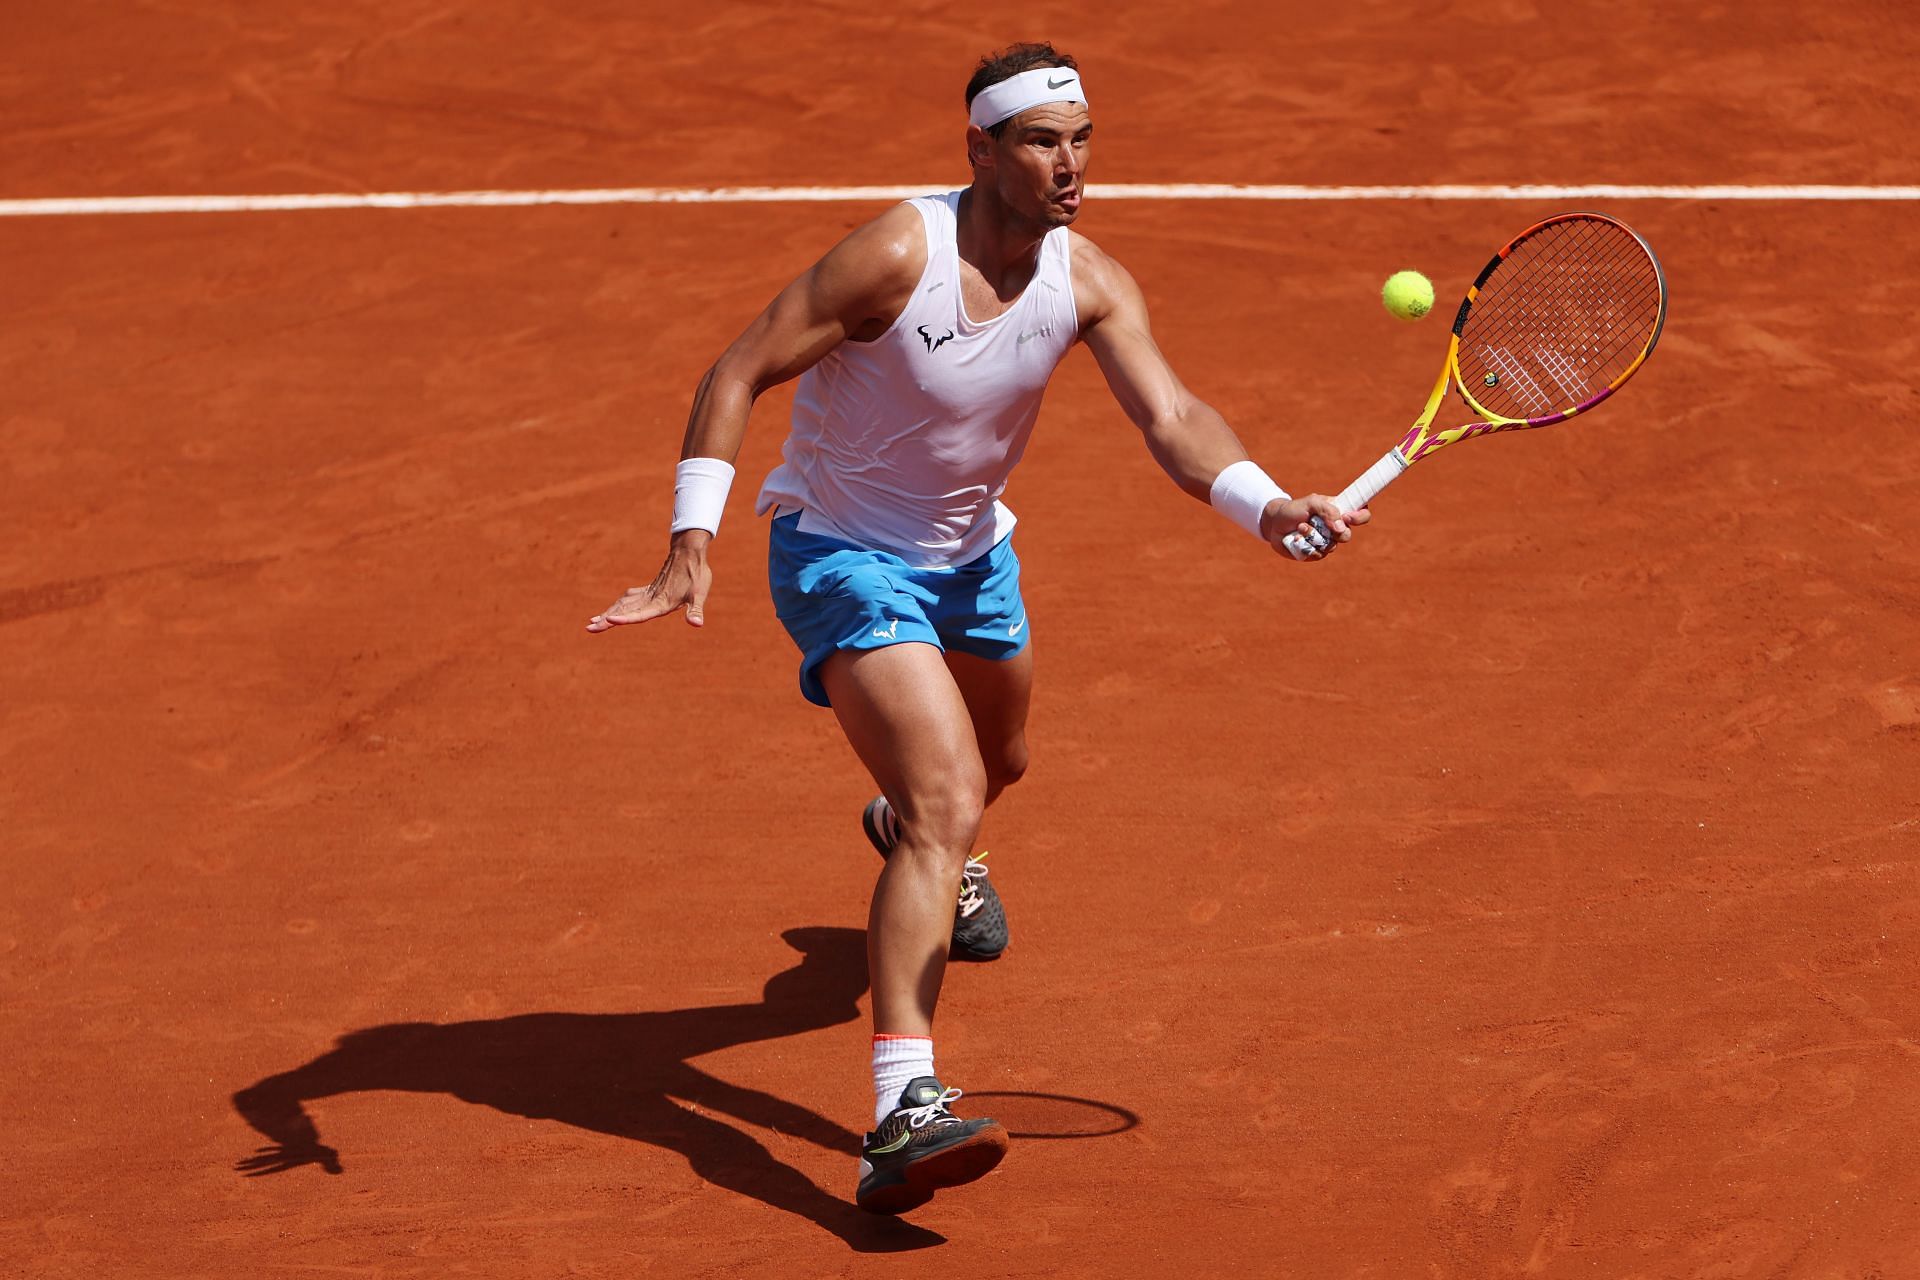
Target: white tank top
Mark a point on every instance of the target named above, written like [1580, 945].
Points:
[905, 443]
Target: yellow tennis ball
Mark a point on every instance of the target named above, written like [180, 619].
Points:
[1407, 294]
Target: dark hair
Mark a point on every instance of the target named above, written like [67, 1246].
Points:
[1010, 62]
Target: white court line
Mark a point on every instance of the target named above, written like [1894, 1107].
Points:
[85, 205]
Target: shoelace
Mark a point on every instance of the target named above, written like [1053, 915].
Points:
[935, 1112]
[971, 899]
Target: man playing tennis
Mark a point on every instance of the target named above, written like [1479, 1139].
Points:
[923, 342]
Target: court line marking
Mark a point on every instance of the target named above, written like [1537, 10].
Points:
[81, 206]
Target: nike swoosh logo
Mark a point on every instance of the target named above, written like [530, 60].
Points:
[893, 1146]
[1014, 630]
[1025, 338]
[1061, 85]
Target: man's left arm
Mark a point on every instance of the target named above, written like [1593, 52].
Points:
[1190, 440]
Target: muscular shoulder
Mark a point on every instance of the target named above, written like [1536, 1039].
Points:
[1101, 286]
[885, 254]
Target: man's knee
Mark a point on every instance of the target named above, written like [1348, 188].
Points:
[1007, 766]
[943, 818]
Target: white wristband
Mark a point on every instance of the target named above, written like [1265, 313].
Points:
[1242, 493]
[700, 488]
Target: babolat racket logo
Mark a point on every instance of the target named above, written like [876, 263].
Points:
[1414, 448]
[933, 343]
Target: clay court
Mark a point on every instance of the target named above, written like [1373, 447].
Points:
[1528, 890]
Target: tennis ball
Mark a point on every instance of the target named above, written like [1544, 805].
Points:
[1407, 294]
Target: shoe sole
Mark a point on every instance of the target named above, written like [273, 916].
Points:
[959, 1164]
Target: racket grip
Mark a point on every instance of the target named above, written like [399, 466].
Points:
[1352, 498]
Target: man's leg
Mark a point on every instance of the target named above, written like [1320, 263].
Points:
[905, 717]
[903, 712]
[997, 694]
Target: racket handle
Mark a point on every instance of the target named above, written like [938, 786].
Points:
[1352, 498]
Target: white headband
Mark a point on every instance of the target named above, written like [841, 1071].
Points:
[1009, 98]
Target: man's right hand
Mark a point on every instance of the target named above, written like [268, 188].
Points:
[681, 583]
[1284, 518]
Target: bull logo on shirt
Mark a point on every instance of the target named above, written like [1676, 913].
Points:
[933, 343]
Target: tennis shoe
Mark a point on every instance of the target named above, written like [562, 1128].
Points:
[979, 921]
[883, 829]
[922, 1147]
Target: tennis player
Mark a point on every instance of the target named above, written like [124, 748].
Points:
[923, 342]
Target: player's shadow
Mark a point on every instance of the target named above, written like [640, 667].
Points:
[625, 1074]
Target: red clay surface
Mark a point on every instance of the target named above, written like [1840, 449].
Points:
[1528, 891]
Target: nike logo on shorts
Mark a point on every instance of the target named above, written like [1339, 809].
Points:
[889, 632]
[1014, 630]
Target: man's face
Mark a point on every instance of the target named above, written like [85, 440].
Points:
[1040, 162]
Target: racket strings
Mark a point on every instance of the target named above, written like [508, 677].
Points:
[1563, 317]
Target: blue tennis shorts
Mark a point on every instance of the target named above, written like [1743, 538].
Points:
[833, 595]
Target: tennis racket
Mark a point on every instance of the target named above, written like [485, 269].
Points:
[1556, 322]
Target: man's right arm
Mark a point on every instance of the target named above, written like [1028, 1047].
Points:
[853, 293]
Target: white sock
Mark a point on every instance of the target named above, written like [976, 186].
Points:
[896, 1061]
